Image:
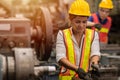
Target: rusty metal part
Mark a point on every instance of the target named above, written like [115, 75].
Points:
[36, 33]
[18, 32]
[44, 21]
[24, 63]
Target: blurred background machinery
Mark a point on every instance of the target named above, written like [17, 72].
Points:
[27, 41]
[20, 57]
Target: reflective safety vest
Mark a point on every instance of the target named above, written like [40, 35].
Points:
[103, 33]
[67, 74]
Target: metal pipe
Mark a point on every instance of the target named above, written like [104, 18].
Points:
[41, 69]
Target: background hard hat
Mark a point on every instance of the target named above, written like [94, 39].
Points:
[106, 4]
[79, 7]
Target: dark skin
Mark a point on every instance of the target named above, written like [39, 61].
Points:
[78, 25]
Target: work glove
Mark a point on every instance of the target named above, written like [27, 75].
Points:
[95, 72]
[83, 75]
[88, 77]
[98, 26]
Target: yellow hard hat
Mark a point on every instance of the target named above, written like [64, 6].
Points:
[106, 4]
[80, 7]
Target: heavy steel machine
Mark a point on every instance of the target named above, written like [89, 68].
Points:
[24, 49]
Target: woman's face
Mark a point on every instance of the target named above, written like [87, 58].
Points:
[104, 13]
[79, 24]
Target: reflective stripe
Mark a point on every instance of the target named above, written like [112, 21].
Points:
[71, 54]
[70, 51]
[69, 78]
[70, 48]
[84, 63]
[104, 30]
[65, 77]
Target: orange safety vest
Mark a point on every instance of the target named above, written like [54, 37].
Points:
[70, 53]
[103, 33]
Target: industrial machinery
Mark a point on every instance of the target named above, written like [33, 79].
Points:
[26, 47]
[20, 58]
[43, 33]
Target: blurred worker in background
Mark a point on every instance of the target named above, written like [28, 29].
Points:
[77, 47]
[101, 20]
